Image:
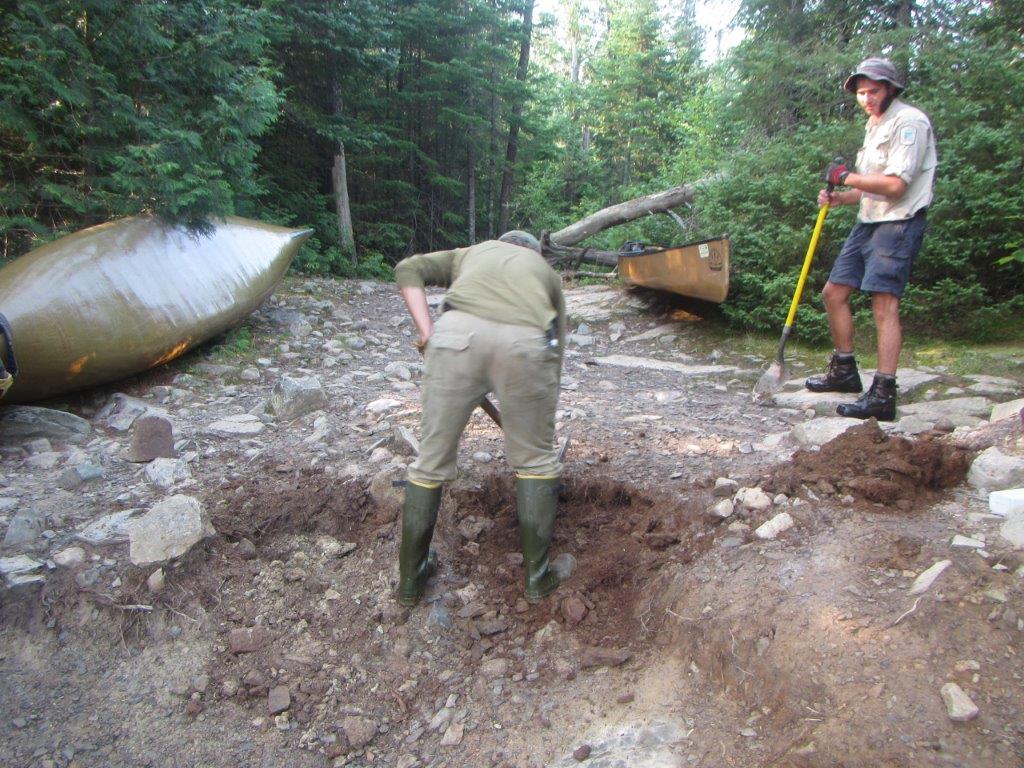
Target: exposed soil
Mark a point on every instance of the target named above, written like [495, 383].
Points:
[681, 640]
[870, 465]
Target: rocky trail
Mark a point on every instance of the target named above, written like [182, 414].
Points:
[198, 564]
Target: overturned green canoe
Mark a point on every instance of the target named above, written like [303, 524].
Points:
[119, 298]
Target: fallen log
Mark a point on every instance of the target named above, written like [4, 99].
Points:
[659, 202]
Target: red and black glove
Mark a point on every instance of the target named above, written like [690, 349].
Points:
[836, 172]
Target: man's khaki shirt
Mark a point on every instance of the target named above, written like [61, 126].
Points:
[901, 143]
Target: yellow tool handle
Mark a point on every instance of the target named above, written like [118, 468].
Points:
[822, 213]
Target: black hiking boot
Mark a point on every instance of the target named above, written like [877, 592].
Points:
[878, 402]
[841, 376]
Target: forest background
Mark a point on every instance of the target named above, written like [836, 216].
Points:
[402, 126]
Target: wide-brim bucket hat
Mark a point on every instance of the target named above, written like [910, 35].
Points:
[875, 68]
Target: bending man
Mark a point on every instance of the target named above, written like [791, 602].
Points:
[502, 331]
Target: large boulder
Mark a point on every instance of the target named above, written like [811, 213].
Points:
[21, 423]
[993, 470]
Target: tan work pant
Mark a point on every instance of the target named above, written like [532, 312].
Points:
[466, 358]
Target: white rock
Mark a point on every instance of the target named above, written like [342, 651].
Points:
[625, 361]
[19, 564]
[725, 486]
[967, 542]
[753, 499]
[69, 557]
[168, 530]
[1013, 529]
[237, 425]
[109, 529]
[769, 530]
[156, 581]
[382, 405]
[993, 470]
[723, 509]
[482, 457]
[959, 706]
[1007, 501]
[961, 411]
[821, 431]
[1006, 410]
[295, 396]
[925, 580]
[164, 473]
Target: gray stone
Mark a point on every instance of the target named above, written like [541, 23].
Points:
[398, 371]
[822, 430]
[992, 470]
[47, 460]
[121, 411]
[70, 557]
[250, 374]
[25, 528]
[293, 397]
[152, 438]
[109, 529]
[166, 473]
[168, 530]
[21, 423]
[1012, 529]
[13, 567]
[913, 425]
[237, 425]
[72, 477]
[993, 386]
[359, 731]
[453, 735]
[959, 706]
[650, 364]
[404, 442]
[960, 411]
[1007, 410]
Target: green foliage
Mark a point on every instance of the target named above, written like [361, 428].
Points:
[110, 109]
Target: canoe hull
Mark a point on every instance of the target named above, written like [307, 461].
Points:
[117, 299]
[698, 270]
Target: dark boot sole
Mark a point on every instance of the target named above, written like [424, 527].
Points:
[847, 389]
[854, 414]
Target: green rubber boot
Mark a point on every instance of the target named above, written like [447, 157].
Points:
[416, 560]
[536, 505]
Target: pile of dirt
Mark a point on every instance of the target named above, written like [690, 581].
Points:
[870, 465]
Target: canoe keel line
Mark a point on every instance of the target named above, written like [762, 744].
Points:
[117, 299]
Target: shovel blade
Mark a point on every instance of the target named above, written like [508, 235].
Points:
[770, 381]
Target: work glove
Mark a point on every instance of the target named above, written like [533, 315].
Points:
[836, 172]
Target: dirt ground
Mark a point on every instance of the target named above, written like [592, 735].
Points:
[682, 639]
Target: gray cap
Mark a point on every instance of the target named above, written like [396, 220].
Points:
[875, 68]
[519, 237]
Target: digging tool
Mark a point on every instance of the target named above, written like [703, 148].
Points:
[772, 379]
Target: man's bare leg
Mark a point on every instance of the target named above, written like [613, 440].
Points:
[886, 309]
[840, 318]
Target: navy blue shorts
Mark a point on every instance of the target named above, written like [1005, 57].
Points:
[877, 257]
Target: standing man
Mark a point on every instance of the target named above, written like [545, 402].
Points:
[502, 331]
[892, 184]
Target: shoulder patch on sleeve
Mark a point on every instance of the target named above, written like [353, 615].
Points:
[908, 135]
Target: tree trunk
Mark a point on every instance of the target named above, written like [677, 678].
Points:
[471, 191]
[659, 202]
[339, 181]
[515, 119]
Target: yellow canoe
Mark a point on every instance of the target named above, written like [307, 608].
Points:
[699, 270]
[117, 299]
